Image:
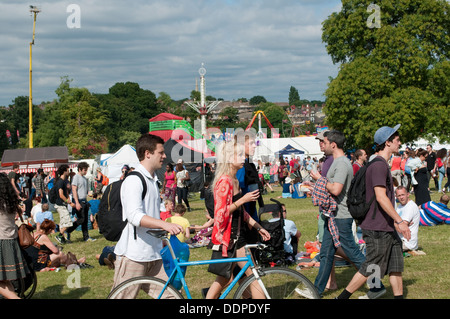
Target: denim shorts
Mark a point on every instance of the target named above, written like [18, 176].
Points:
[384, 253]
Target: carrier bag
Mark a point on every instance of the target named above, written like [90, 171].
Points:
[182, 253]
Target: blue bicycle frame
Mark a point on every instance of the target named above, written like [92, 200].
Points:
[179, 274]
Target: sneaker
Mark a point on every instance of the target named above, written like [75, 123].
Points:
[374, 293]
[90, 239]
[60, 239]
[85, 266]
[304, 292]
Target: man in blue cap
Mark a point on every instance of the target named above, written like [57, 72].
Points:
[383, 246]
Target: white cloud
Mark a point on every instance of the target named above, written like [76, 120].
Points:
[249, 47]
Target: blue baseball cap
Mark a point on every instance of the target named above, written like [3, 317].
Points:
[384, 133]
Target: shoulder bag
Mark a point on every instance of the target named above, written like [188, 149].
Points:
[26, 238]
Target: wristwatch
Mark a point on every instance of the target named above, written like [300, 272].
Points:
[398, 223]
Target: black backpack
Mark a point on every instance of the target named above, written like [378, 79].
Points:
[356, 195]
[52, 195]
[109, 216]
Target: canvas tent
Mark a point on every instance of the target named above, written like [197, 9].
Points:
[268, 147]
[289, 150]
[31, 159]
[112, 165]
[192, 159]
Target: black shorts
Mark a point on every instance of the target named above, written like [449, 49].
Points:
[384, 253]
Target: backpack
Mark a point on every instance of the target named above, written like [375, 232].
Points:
[52, 195]
[109, 216]
[356, 195]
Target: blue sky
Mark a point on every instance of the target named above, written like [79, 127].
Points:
[249, 47]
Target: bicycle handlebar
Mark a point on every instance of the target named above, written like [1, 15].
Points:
[162, 234]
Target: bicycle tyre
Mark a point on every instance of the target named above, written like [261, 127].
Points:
[30, 288]
[281, 283]
[153, 282]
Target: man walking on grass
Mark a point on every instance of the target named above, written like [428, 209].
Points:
[338, 235]
[383, 246]
[137, 252]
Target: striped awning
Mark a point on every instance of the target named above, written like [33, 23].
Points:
[33, 168]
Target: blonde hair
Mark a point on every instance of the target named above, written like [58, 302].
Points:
[225, 158]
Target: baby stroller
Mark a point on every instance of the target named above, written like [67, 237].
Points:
[271, 219]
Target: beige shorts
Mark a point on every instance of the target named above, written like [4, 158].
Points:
[126, 268]
[64, 217]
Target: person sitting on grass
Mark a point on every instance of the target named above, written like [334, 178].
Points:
[43, 253]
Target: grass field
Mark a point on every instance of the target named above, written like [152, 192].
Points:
[425, 277]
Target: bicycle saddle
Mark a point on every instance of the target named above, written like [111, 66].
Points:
[158, 233]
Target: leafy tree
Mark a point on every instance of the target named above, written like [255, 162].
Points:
[229, 114]
[73, 121]
[258, 99]
[293, 96]
[392, 74]
[128, 108]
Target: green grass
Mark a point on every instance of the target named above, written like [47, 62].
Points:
[425, 277]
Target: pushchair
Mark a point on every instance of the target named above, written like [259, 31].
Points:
[271, 219]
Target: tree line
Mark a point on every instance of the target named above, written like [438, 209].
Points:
[90, 124]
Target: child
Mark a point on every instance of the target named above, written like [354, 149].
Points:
[178, 218]
[168, 205]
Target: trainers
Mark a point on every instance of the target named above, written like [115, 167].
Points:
[60, 239]
[304, 292]
[90, 239]
[374, 293]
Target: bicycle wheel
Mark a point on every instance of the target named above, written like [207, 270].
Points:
[144, 288]
[280, 283]
[28, 285]
[25, 287]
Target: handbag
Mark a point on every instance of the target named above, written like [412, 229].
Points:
[71, 259]
[224, 269]
[26, 238]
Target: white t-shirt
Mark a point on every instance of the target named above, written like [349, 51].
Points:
[146, 247]
[181, 175]
[410, 212]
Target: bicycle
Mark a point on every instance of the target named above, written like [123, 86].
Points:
[25, 287]
[275, 283]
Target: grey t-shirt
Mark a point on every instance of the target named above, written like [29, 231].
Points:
[341, 171]
[82, 186]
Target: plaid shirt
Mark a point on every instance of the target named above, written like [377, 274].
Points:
[40, 185]
[322, 198]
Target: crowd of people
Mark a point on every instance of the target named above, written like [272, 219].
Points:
[232, 194]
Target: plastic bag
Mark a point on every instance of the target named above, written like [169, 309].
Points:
[182, 252]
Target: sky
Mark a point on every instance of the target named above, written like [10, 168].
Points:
[248, 47]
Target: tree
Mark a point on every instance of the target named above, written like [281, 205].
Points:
[388, 75]
[258, 99]
[73, 120]
[293, 96]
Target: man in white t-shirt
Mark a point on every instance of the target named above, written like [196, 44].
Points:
[137, 252]
[409, 212]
